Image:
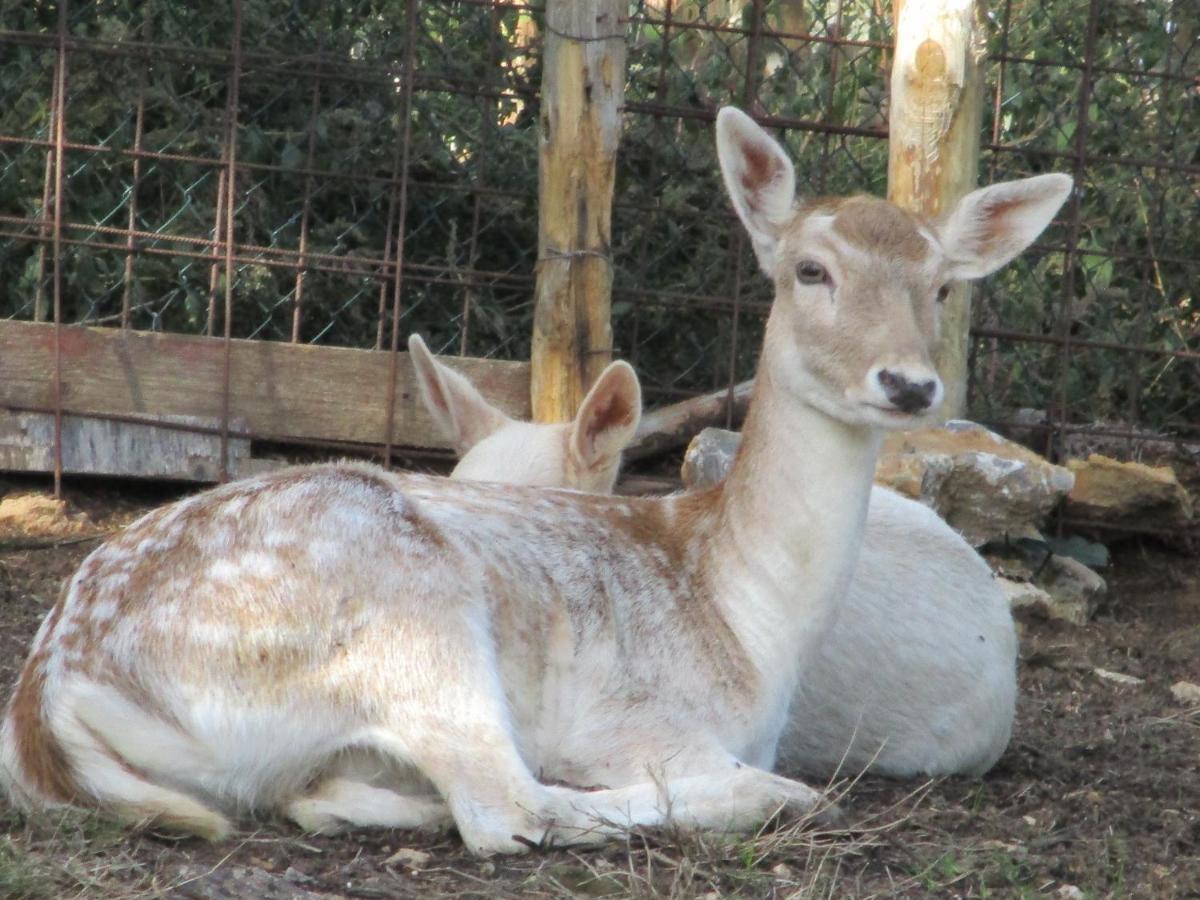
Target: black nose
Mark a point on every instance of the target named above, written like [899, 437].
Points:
[909, 396]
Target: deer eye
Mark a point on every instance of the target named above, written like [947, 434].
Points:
[943, 293]
[810, 272]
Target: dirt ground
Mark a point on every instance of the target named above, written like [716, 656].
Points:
[1097, 796]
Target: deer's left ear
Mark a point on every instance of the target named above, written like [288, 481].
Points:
[991, 226]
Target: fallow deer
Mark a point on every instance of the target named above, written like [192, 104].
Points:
[582, 455]
[916, 675]
[225, 652]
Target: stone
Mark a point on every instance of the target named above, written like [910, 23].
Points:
[708, 457]
[988, 488]
[1023, 595]
[1128, 494]
[1076, 589]
[1119, 677]
[1062, 589]
[40, 515]
[410, 858]
[1186, 692]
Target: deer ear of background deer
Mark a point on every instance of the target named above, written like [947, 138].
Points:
[457, 408]
[990, 226]
[759, 178]
[608, 418]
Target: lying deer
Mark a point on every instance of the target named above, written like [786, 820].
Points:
[341, 644]
[916, 675]
[584, 455]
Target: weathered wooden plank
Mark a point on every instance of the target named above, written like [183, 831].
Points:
[933, 155]
[671, 427]
[129, 449]
[583, 85]
[280, 391]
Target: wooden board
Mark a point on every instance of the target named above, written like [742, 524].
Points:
[279, 391]
[107, 447]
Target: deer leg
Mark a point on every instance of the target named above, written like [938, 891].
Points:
[338, 802]
[725, 796]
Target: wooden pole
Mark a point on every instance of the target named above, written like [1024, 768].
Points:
[583, 86]
[933, 155]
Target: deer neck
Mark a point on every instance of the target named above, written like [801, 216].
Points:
[792, 518]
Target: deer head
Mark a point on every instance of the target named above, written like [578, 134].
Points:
[584, 454]
[858, 281]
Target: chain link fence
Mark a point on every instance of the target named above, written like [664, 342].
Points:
[380, 159]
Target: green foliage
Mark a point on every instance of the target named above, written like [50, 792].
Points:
[688, 301]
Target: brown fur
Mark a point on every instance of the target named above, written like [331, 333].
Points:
[664, 527]
[41, 756]
[882, 228]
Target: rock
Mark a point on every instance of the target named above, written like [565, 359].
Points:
[1061, 589]
[1119, 677]
[1075, 588]
[1023, 595]
[708, 457]
[1070, 892]
[983, 485]
[408, 857]
[1127, 494]
[1186, 693]
[989, 488]
[38, 515]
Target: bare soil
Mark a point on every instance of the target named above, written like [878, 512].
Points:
[1097, 796]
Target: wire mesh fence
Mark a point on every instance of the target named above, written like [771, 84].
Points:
[368, 169]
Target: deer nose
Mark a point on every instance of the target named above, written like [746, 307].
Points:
[908, 396]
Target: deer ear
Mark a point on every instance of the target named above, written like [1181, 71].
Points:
[459, 410]
[760, 180]
[990, 226]
[608, 418]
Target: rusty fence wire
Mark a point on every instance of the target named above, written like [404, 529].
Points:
[368, 169]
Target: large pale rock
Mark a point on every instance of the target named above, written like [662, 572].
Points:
[987, 487]
[1127, 494]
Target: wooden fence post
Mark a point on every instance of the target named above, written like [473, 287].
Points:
[583, 86]
[933, 154]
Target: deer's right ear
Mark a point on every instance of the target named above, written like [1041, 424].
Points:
[608, 418]
[759, 178]
[460, 411]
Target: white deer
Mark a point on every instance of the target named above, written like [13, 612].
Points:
[302, 641]
[916, 675]
[582, 455]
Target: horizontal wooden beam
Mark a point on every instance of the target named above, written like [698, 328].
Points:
[105, 447]
[278, 391]
[671, 427]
